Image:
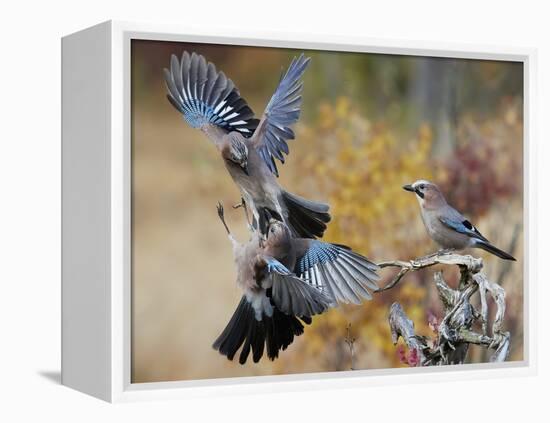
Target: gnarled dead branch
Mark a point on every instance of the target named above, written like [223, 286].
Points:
[454, 333]
[471, 264]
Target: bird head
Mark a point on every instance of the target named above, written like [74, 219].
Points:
[277, 234]
[235, 150]
[427, 193]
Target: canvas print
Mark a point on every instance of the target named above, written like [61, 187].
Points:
[299, 211]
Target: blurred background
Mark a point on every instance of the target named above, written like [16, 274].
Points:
[370, 123]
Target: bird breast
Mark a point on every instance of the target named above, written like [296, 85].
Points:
[259, 178]
[245, 260]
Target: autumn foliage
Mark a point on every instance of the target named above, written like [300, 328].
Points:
[362, 166]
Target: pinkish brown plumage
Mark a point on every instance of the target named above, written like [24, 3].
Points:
[445, 225]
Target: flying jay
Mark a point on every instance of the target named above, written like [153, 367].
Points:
[249, 147]
[285, 281]
[445, 225]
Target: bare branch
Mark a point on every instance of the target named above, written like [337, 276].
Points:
[499, 297]
[471, 265]
[503, 348]
[447, 295]
[402, 326]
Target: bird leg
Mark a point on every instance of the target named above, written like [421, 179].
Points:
[245, 208]
[222, 217]
[241, 204]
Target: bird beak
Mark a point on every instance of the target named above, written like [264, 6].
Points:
[409, 188]
[264, 223]
[270, 218]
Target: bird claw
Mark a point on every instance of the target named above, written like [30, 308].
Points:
[239, 205]
[219, 207]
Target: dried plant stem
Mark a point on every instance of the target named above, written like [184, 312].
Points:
[350, 341]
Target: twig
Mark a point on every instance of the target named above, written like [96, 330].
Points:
[351, 345]
[471, 264]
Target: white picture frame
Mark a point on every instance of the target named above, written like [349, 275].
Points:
[96, 213]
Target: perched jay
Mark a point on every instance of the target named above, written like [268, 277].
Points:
[210, 101]
[446, 226]
[286, 281]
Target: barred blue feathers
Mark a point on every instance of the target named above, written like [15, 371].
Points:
[207, 97]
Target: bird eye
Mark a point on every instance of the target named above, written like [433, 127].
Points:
[421, 186]
[272, 230]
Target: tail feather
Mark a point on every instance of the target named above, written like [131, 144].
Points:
[236, 331]
[494, 250]
[307, 219]
[271, 334]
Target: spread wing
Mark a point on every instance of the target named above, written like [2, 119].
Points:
[205, 96]
[339, 271]
[292, 295]
[282, 111]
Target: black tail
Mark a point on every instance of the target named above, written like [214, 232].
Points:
[307, 219]
[494, 250]
[274, 333]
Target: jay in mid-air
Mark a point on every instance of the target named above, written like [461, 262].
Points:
[285, 281]
[445, 225]
[249, 147]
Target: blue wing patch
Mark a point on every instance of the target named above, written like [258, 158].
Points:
[318, 252]
[337, 270]
[274, 265]
[464, 227]
[205, 96]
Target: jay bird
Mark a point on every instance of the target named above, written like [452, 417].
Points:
[285, 281]
[445, 225]
[210, 101]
